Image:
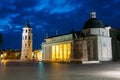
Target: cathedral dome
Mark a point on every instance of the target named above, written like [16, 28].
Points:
[93, 22]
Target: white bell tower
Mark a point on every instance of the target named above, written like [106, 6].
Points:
[26, 54]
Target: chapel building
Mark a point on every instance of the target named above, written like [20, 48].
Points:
[92, 43]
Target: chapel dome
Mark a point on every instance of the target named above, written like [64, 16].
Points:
[93, 22]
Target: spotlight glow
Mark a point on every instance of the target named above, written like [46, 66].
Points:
[112, 74]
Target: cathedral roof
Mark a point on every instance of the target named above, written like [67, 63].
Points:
[93, 22]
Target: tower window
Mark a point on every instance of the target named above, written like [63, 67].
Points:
[25, 37]
[29, 30]
[26, 31]
[25, 44]
[29, 38]
[26, 56]
[29, 44]
[103, 33]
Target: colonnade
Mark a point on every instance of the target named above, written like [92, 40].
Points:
[61, 52]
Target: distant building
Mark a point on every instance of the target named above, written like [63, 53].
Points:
[9, 54]
[26, 53]
[115, 34]
[93, 43]
[37, 55]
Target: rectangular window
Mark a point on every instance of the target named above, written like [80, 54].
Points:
[25, 37]
[29, 38]
[29, 30]
[26, 31]
[25, 44]
[29, 44]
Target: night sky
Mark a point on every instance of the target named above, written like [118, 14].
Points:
[47, 16]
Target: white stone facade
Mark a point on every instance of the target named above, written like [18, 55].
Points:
[99, 42]
[26, 53]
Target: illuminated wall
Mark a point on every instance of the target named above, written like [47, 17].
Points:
[61, 52]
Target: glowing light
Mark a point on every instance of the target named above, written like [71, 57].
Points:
[37, 55]
[4, 62]
[1, 56]
[61, 52]
[69, 51]
[112, 74]
[53, 52]
[41, 51]
[4, 54]
[65, 51]
[57, 51]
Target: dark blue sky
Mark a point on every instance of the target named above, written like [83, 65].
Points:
[49, 15]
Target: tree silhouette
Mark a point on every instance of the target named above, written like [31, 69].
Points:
[1, 39]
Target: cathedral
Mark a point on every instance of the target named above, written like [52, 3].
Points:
[95, 42]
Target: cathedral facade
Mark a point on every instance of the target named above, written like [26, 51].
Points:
[92, 43]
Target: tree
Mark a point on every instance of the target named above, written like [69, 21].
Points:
[1, 39]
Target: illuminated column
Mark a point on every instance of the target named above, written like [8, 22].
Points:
[65, 52]
[50, 53]
[26, 53]
[61, 51]
[43, 56]
[53, 53]
[57, 51]
[69, 50]
[47, 52]
[44, 52]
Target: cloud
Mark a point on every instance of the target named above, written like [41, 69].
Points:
[18, 26]
[51, 15]
[57, 6]
[40, 27]
[15, 12]
[66, 8]
[1, 30]
[4, 21]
